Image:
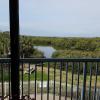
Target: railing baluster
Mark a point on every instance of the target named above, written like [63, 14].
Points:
[9, 71]
[95, 89]
[66, 80]
[22, 79]
[42, 82]
[54, 80]
[60, 81]
[72, 80]
[29, 81]
[2, 81]
[90, 81]
[35, 80]
[78, 77]
[48, 81]
[84, 80]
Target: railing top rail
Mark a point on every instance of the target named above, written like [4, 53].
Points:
[37, 60]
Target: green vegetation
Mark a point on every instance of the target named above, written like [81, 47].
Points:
[4, 44]
[69, 47]
[86, 44]
[76, 54]
[26, 46]
[66, 47]
[32, 76]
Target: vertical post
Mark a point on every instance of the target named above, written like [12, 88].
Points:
[14, 40]
[5, 89]
[84, 81]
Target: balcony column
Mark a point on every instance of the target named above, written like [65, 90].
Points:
[14, 42]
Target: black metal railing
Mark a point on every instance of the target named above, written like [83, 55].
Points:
[53, 79]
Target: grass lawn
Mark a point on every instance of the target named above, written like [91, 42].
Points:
[70, 77]
[32, 76]
[51, 77]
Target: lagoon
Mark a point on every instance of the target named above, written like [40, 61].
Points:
[47, 50]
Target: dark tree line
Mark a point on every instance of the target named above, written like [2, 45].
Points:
[86, 44]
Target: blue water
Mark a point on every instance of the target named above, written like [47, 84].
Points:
[47, 50]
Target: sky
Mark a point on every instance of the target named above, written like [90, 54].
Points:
[62, 18]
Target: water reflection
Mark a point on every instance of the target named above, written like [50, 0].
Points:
[47, 50]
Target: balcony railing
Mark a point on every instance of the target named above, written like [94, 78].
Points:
[53, 79]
